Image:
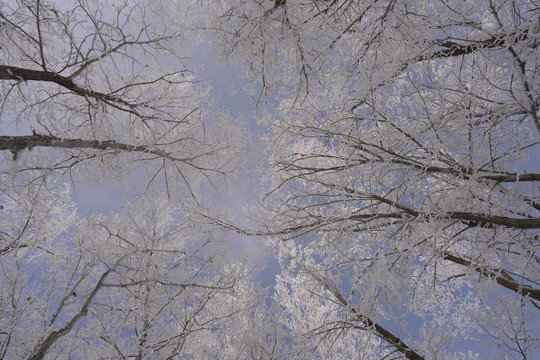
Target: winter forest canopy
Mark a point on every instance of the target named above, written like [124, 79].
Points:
[397, 175]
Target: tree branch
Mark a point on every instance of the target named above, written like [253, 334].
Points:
[452, 48]
[17, 143]
[505, 282]
[53, 336]
[470, 218]
[379, 330]
[15, 73]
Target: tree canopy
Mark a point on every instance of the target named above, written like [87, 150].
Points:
[399, 175]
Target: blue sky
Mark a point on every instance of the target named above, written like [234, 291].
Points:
[224, 81]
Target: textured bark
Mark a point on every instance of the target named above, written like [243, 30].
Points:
[392, 339]
[488, 221]
[452, 48]
[469, 218]
[17, 143]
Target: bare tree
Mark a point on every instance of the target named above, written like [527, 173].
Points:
[403, 166]
[143, 283]
[99, 91]
[402, 179]
[93, 86]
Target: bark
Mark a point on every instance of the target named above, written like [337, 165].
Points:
[392, 339]
[16, 73]
[505, 282]
[452, 48]
[488, 221]
[469, 218]
[17, 143]
[53, 336]
[378, 329]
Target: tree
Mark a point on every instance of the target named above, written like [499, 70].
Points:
[87, 86]
[403, 167]
[98, 92]
[402, 179]
[148, 282]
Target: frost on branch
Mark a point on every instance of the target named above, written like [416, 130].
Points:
[146, 283]
[111, 82]
[403, 166]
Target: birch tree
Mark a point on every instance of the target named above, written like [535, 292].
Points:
[403, 177]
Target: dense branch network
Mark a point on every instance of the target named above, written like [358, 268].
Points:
[403, 163]
[99, 91]
[401, 179]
